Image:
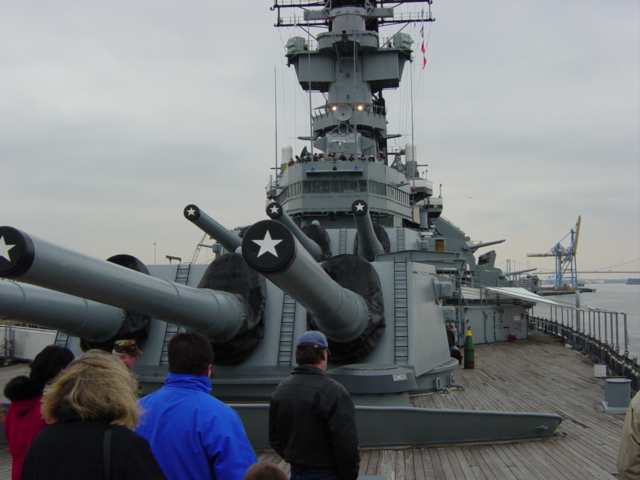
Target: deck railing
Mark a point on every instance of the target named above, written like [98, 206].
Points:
[601, 335]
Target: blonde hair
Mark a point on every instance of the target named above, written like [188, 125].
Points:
[97, 386]
[265, 471]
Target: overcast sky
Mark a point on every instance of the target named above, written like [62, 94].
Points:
[115, 115]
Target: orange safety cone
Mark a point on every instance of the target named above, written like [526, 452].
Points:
[469, 351]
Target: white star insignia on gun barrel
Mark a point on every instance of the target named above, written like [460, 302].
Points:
[4, 249]
[267, 244]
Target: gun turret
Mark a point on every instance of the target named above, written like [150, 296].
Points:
[277, 213]
[352, 321]
[74, 316]
[368, 245]
[208, 225]
[218, 315]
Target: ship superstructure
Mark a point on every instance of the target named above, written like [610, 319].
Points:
[351, 64]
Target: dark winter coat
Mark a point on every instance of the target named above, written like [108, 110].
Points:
[312, 424]
[73, 450]
[24, 420]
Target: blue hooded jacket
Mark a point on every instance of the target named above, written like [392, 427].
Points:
[192, 434]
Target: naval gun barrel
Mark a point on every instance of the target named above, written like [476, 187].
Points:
[218, 315]
[518, 272]
[272, 250]
[368, 244]
[74, 316]
[475, 247]
[229, 240]
[277, 213]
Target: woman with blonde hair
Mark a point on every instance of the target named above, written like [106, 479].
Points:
[92, 406]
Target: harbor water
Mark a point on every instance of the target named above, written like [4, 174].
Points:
[614, 297]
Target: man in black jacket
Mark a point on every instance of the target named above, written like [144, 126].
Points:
[312, 423]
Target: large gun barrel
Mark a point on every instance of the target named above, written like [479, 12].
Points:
[208, 225]
[218, 315]
[475, 247]
[368, 244]
[277, 213]
[74, 316]
[272, 250]
[519, 272]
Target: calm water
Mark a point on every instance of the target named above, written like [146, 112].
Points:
[615, 297]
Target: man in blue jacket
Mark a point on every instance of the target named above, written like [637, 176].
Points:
[192, 434]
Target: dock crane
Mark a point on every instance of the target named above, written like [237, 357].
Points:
[565, 259]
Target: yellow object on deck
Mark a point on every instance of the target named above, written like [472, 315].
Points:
[469, 351]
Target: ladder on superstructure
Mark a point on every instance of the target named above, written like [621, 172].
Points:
[342, 243]
[182, 277]
[400, 312]
[62, 340]
[285, 347]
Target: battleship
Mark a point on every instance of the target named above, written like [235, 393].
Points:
[353, 244]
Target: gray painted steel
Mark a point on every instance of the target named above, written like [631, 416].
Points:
[341, 314]
[229, 240]
[218, 315]
[398, 426]
[617, 395]
[71, 315]
[368, 244]
[277, 213]
[477, 246]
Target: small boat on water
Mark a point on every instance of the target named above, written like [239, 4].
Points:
[564, 290]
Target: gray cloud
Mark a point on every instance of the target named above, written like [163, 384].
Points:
[115, 115]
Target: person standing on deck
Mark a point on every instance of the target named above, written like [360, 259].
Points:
[91, 408]
[629, 454]
[128, 352]
[192, 434]
[24, 419]
[312, 419]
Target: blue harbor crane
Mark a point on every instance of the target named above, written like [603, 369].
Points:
[566, 268]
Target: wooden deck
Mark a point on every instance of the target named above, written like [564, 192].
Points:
[537, 375]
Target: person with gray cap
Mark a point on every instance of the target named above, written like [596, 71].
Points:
[312, 419]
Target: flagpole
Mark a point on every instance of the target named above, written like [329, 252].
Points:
[310, 102]
[413, 140]
[275, 108]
